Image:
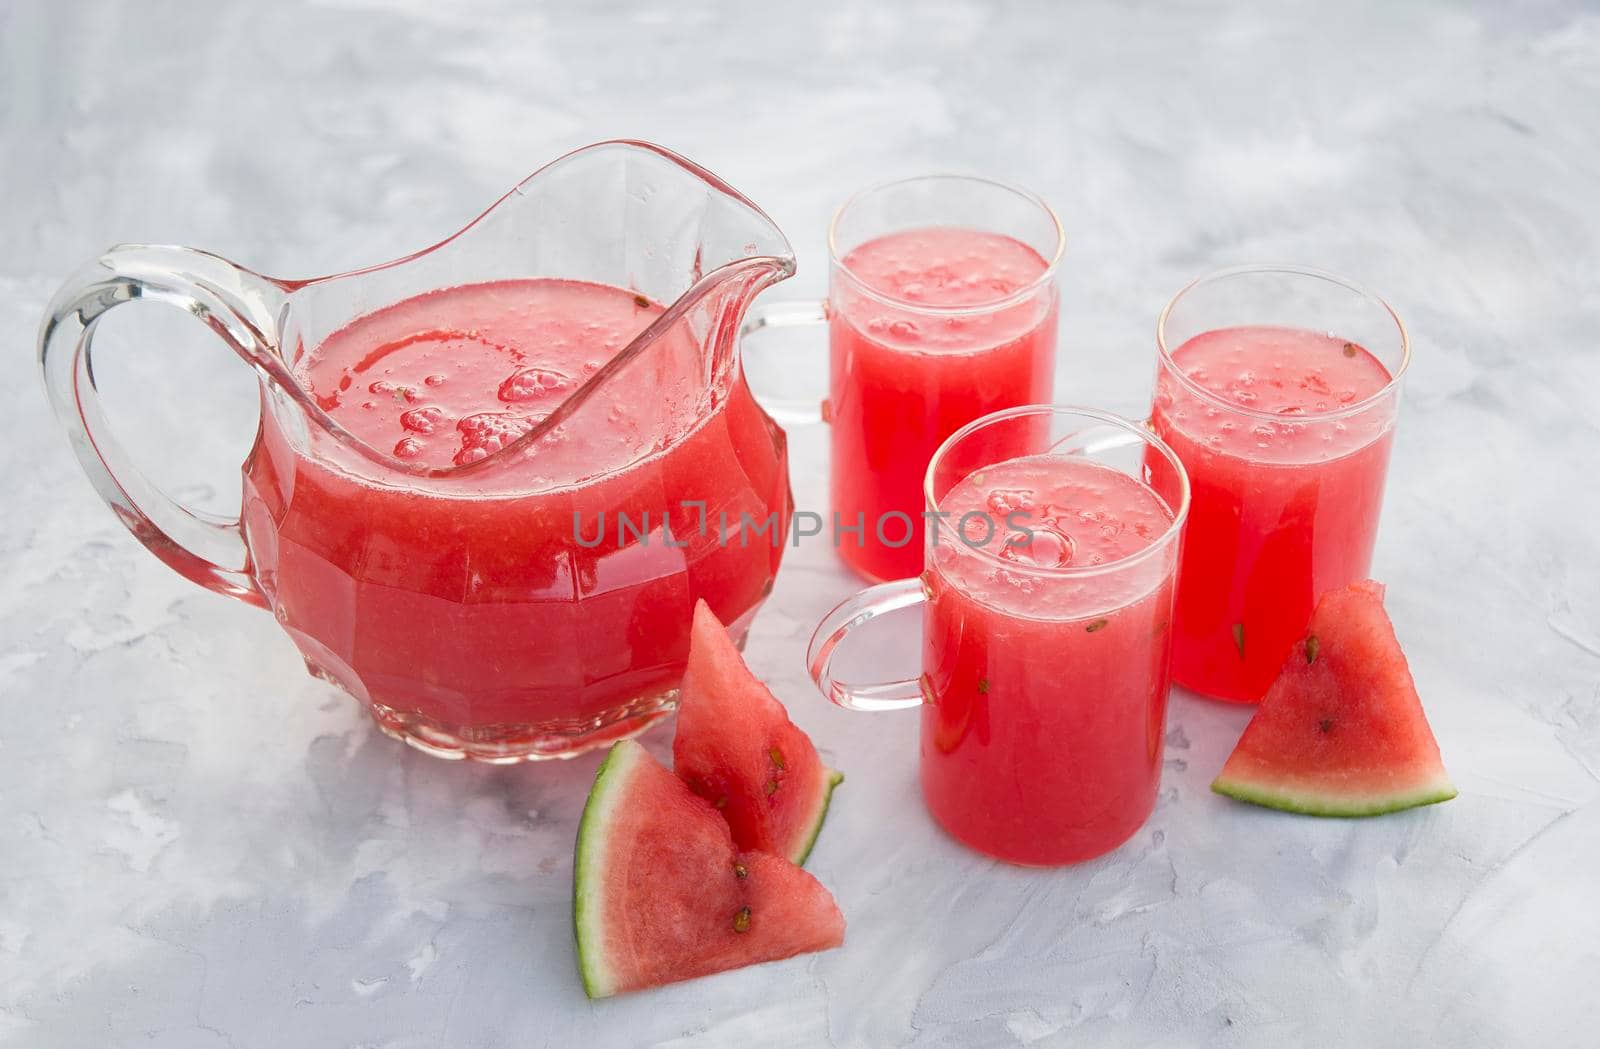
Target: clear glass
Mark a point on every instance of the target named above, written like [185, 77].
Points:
[1044, 682]
[1286, 431]
[911, 362]
[497, 607]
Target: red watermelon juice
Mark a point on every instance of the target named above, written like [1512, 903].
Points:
[1285, 434]
[1046, 661]
[929, 328]
[489, 606]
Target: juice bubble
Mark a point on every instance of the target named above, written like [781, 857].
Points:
[422, 420]
[1101, 522]
[1046, 548]
[531, 383]
[408, 448]
[434, 380]
[485, 433]
[1003, 501]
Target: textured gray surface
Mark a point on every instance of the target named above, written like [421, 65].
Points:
[200, 846]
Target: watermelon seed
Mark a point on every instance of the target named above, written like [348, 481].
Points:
[1160, 628]
[1326, 725]
[740, 870]
[777, 758]
[741, 921]
[722, 802]
[1238, 638]
[644, 303]
[1349, 349]
[1098, 624]
[772, 787]
[1312, 645]
[983, 686]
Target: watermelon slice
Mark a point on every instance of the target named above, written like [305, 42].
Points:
[1341, 731]
[661, 894]
[737, 748]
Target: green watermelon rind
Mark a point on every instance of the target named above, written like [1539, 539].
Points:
[831, 779]
[1307, 802]
[609, 781]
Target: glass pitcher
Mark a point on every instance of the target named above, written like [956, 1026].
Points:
[503, 584]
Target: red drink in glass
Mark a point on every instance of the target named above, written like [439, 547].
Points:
[1047, 612]
[1285, 432]
[941, 308]
[1041, 739]
[512, 596]
[904, 378]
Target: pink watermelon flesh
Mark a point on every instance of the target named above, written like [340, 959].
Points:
[737, 748]
[661, 894]
[1341, 731]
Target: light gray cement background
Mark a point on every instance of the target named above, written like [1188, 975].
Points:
[202, 847]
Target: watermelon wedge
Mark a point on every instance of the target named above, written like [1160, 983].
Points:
[661, 894]
[1341, 731]
[737, 748]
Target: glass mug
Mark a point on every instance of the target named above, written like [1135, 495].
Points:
[942, 306]
[530, 595]
[1047, 610]
[1279, 388]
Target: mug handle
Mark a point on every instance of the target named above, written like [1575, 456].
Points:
[238, 305]
[847, 616]
[792, 410]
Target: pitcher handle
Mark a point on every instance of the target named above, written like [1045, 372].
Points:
[763, 315]
[849, 615]
[238, 305]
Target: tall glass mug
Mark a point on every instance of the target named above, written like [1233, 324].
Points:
[941, 307]
[1052, 549]
[1279, 389]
